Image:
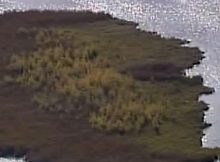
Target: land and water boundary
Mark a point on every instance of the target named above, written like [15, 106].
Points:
[84, 87]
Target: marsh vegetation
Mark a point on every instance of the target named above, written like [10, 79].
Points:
[71, 77]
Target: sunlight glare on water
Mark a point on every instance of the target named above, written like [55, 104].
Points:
[196, 20]
[12, 160]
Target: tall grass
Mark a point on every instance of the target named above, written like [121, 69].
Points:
[72, 75]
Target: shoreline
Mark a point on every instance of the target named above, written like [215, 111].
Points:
[137, 71]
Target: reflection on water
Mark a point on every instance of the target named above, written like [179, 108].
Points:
[212, 133]
[196, 20]
[11, 160]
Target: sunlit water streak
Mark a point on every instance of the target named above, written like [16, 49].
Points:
[12, 160]
[196, 20]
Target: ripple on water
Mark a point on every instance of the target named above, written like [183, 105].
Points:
[197, 20]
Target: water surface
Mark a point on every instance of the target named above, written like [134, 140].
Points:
[196, 20]
[12, 160]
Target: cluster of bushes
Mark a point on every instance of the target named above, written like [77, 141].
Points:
[71, 75]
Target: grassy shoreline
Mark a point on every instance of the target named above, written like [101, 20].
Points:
[155, 63]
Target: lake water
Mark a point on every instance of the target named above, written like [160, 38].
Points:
[195, 20]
